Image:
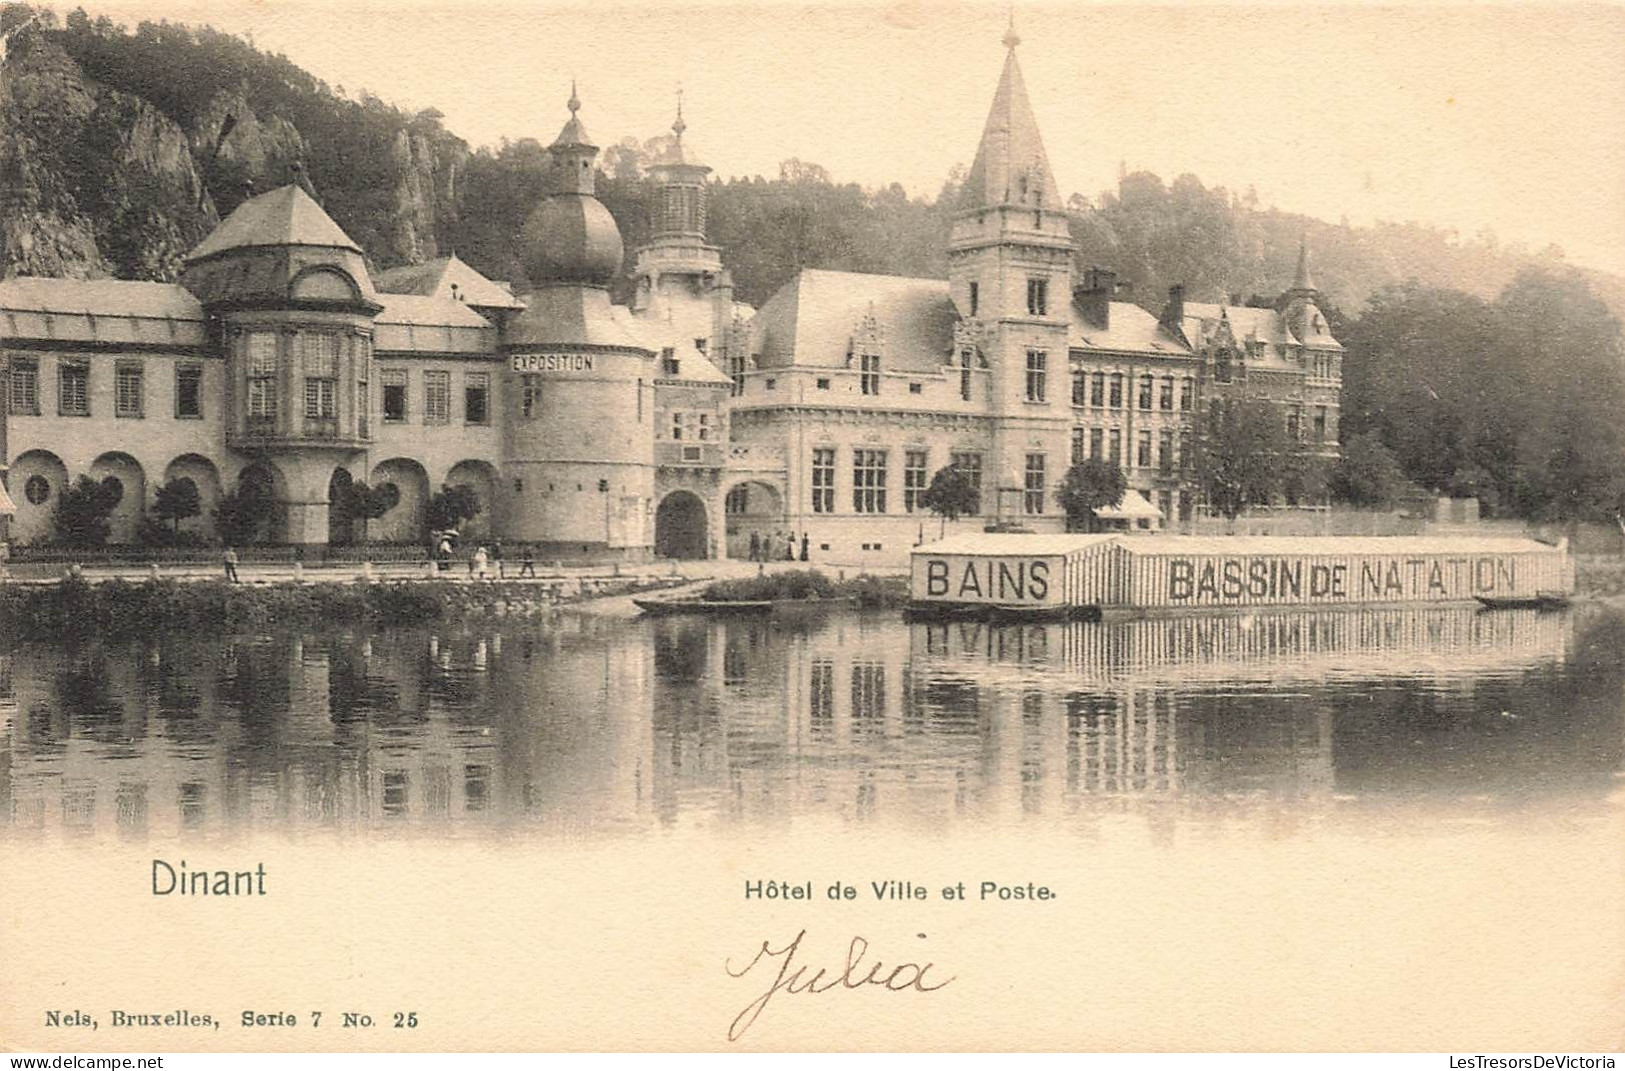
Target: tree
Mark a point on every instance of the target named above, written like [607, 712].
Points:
[176, 501]
[362, 503]
[83, 510]
[1368, 474]
[1091, 484]
[950, 495]
[452, 505]
[1243, 455]
[240, 515]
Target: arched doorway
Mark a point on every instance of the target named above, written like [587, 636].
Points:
[751, 507]
[260, 513]
[340, 521]
[482, 478]
[122, 473]
[680, 526]
[206, 479]
[407, 483]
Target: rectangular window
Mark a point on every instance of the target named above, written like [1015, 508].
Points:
[702, 344]
[128, 392]
[1117, 390]
[437, 397]
[1097, 389]
[677, 427]
[1037, 375]
[966, 358]
[1165, 396]
[1165, 452]
[736, 372]
[1320, 423]
[1078, 445]
[476, 397]
[1080, 389]
[363, 409]
[1115, 453]
[869, 377]
[1097, 436]
[1187, 394]
[188, 392]
[823, 383]
[703, 427]
[823, 479]
[975, 297]
[916, 388]
[1142, 452]
[1145, 392]
[1032, 499]
[669, 365]
[914, 475]
[262, 378]
[1037, 297]
[530, 398]
[970, 465]
[319, 359]
[23, 389]
[73, 389]
[1294, 423]
[869, 481]
[395, 395]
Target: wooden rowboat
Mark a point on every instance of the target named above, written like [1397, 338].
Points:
[1540, 600]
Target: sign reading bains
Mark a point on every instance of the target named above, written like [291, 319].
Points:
[1038, 572]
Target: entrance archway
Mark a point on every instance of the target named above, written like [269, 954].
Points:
[680, 526]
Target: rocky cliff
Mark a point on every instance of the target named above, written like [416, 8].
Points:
[92, 181]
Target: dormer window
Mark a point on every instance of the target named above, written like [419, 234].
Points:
[869, 373]
[669, 365]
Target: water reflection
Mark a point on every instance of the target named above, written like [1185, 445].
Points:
[592, 725]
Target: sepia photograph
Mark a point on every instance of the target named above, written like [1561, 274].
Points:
[812, 526]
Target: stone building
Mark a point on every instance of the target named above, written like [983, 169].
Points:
[682, 424]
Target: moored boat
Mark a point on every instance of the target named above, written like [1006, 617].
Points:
[1541, 600]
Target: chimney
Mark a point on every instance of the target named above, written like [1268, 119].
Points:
[1094, 297]
[1173, 313]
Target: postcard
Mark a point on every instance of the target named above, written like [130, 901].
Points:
[804, 526]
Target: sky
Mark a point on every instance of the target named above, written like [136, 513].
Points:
[1478, 118]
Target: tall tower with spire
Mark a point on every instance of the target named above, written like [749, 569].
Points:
[1010, 257]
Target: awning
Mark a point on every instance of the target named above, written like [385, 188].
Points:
[7, 506]
[1134, 507]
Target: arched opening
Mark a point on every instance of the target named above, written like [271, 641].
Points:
[751, 508]
[35, 482]
[124, 472]
[405, 481]
[680, 526]
[257, 511]
[482, 477]
[340, 519]
[205, 478]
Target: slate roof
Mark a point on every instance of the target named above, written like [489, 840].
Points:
[285, 216]
[1129, 328]
[436, 278]
[99, 311]
[410, 323]
[811, 321]
[1010, 147]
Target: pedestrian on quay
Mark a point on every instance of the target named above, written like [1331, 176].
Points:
[790, 547]
[230, 560]
[755, 546]
[444, 554]
[496, 556]
[527, 564]
[803, 546]
[476, 564]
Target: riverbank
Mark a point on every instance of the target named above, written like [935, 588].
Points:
[1599, 577]
[118, 607]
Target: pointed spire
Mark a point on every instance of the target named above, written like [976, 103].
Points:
[1011, 38]
[1011, 166]
[574, 133]
[679, 126]
[1302, 281]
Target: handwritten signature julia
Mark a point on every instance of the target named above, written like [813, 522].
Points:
[854, 973]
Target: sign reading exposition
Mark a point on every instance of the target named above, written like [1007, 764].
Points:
[552, 362]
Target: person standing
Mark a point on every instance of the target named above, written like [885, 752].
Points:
[527, 564]
[445, 554]
[790, 547]
[755, 546]
[803, 546]
[230, 559]
[476, 564]
[496, 556]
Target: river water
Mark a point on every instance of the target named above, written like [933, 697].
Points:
[587, 726]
